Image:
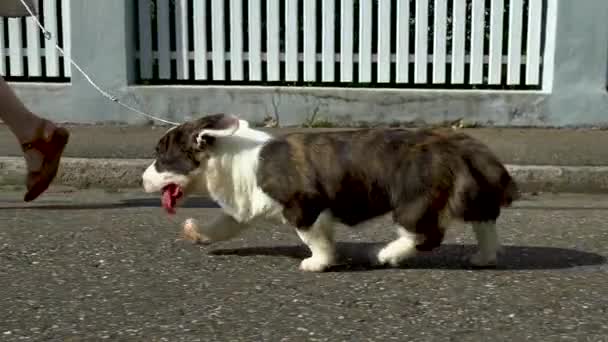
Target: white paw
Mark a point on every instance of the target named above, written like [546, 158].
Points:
[396, 252]
[191, 232]
[386, 257]
[315, 264]
[483, 260]
[399, 250]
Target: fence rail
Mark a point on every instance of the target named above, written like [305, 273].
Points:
[24, 51]
[446, 43]
[379, 43]
[249, 53]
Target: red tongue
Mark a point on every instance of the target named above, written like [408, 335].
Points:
[171, 193]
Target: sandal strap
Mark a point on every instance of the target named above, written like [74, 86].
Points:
[42, 145]
[36, 143]
[27, 146]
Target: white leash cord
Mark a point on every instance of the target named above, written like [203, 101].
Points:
[48, 35]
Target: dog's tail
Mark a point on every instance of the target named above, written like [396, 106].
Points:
[491, 175]
[511, 192]
[492, 179]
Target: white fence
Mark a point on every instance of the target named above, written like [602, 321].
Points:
[24, 51]
[295, 62]
[419, 43]
[394, 43]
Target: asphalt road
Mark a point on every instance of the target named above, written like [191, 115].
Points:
[90, 266]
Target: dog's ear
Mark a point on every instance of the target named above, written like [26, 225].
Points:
[214, 127]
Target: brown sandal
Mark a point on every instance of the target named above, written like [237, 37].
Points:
[51, 149]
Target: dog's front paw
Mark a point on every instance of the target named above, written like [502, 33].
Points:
[191, 232]
[315, 264]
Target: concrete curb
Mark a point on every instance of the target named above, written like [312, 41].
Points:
[115, 174]
[82, 173]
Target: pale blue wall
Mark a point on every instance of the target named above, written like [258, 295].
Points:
[103, 45]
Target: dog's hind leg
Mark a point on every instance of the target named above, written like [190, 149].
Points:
[404, 246]
[398, 250]
[487, 242]
[433, 237]
[420, 231]
[320, 240]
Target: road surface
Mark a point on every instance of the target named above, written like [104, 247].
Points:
[92, 266]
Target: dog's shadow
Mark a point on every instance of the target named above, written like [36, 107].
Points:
[190, 203]
[359, 256]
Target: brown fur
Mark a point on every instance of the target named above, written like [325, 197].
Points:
[359, 175]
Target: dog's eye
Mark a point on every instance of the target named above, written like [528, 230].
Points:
[203, 141]
[209, 140]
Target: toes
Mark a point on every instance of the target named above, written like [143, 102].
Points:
[313, 264]
[191, 232]
[385, 258]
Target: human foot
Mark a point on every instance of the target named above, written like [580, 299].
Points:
[42, 155]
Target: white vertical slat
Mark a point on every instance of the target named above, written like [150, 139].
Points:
[181, 39]
[477, 39]
[272, 41]
[164, 47]
[310, 42]
[328, 54]
[145, 40]
[421, 52]
[217, 40]
[440, 41]
[66, 22]
[515, 42]
[2, 45]
[458, 40]
[534, 42]
[255, 41]
[200, 40]
[346, 40]
[236, 40]
[50, 52]
[291, 40]
[496, 32]
[384, 41]
[549, 52]
[34, 60]
[403, 41]
[15, 46]
[365, 41]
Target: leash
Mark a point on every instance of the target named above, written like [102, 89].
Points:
[48, 36]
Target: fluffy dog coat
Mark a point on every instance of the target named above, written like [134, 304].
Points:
[425, 179]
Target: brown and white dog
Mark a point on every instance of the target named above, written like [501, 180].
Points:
[424, 179]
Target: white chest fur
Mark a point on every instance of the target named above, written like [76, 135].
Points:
[231, 178]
